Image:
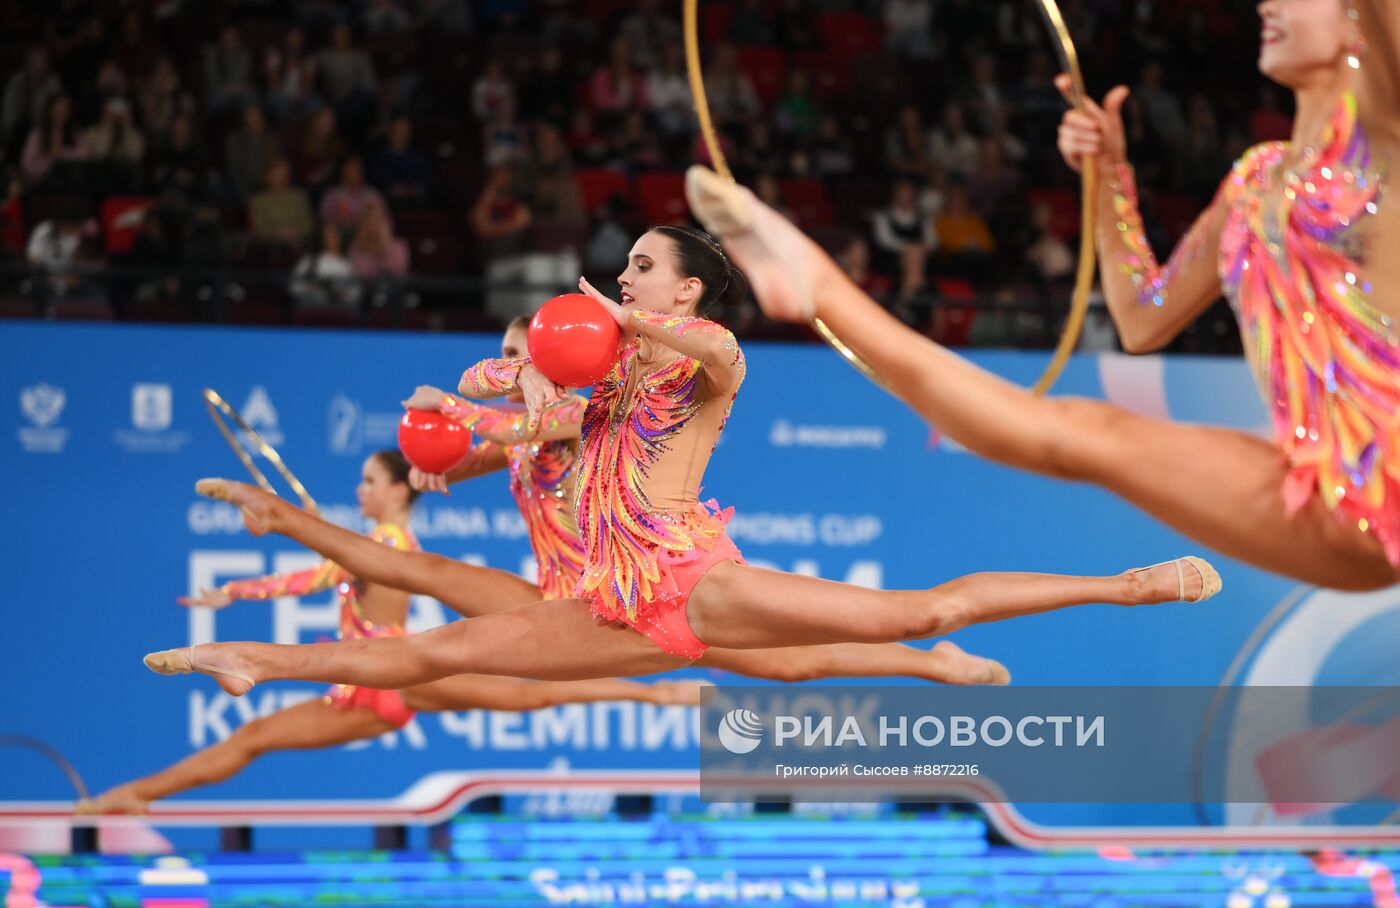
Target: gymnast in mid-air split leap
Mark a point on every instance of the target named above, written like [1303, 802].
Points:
[661, 580]
[1301, 238]
[540, 464]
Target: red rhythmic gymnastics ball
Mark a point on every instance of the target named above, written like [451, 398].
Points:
[432, 442]
[573, 340]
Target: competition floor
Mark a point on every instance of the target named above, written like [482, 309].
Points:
[939, 859]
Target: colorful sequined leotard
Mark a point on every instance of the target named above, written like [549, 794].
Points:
[541, 465]
[647, 436]
[353, 624]
[1294, 245]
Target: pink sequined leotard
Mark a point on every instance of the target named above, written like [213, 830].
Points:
[541, 465]
[1296, 247]
[388, 704]
[647, 436]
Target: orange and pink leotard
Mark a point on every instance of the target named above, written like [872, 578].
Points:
[647, 436]
[541, 464]
[1293, 246]
[388, 704]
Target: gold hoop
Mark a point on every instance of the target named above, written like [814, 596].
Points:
[1084, 278]
[707, 131]
[217, 406]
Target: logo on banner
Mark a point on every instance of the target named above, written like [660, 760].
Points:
[42, 405]
[259, 413]
[350, 429]
[152, 412]
[784, 434]
[150, 407]
[740, 731]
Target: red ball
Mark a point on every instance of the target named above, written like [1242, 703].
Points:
[432, 442]
[573, 340]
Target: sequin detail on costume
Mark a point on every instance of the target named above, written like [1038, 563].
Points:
[541, 475]
[492, 377]
[324, 576]
[541, 482]
[1293, 267]
[512, 427]
[625, 429]
[1135, 257]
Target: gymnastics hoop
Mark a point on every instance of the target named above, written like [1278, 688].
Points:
[1084, 277]
[220, 408]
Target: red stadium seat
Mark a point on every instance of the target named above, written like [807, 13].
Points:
[808, 200]
[1064, 210]
[766, 68]
[158, 311]
[121, 218]
[662, 197]
[325, 318]
[255, 313]
[850, 34]
[406, 320]
[597, 185]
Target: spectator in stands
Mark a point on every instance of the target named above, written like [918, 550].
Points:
[854, 259]
[548, 93]
[635, 148]
[115, 148]
[347, 204]
[178, 160]
[493, 94]
[320, 151]
[376, 252]
[833, 154]
[1048, 255]
[907, 149]
[1161, 106]
[759, 153]
[617, 87]
[1203, 160]
[290, 75]
[400, 170]
[731, 93]
[27, 95]
[549, 174]
[983, 99]
[158, 99]
[53, 140]
[907, 236]
[907, 30]
[501, 220]
[668, 93]
[323, 276]
[647, 32]
[56, 249]
[798, 112]
[749, 25]
[961, 231]
[994, 184]
[281, 212]
[1013, 150]
[228, 73]
[347, 77]
[953, 147]
[767, 187]
[586, 144]
[249, 150]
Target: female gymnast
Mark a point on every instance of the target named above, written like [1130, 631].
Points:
[368, 609]
[540, 463]
[1294, 238]
[662, 581]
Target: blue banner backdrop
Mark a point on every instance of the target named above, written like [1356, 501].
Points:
[830, 476]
